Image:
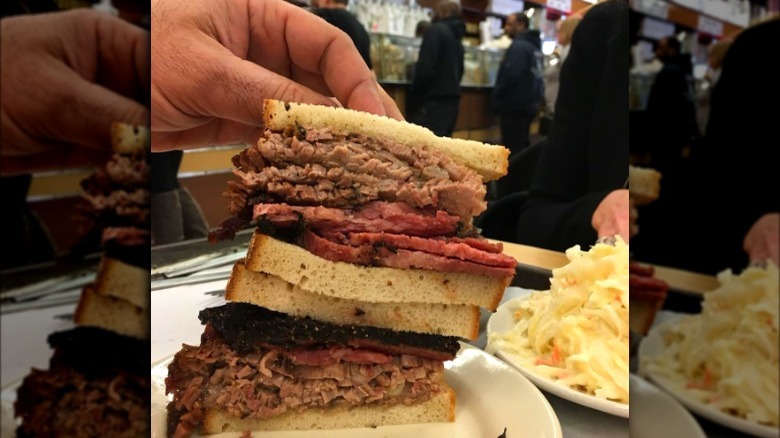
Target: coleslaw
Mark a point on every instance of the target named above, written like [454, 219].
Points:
[577, 333]
[727, 356]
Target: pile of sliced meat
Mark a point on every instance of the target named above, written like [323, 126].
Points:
[356, 200]
[87, 391]
[254, 378]
[344, 170]
[80, 406]
[117, 201]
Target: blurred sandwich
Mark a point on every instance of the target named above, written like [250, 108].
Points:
[647, 293]
[644, 184]
[363, 274]
[115, 213]
[98, 380]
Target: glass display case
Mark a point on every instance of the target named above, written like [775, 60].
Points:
[394, 56]
[481, 65]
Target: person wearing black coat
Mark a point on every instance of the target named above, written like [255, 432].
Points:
[335, 12]
[519, 89]
[577, 193]
[434, 98]
[720, 210]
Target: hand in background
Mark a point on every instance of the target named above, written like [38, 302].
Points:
[611, 216]
[214, 65]
[66, 76]
[762, 241]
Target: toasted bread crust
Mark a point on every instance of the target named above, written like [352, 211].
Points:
[439, 409]
[121, 280]
[276, 294]
[373, 284]
[489, 161]
[126, 138]
[111, 313]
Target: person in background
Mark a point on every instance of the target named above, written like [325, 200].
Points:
[724, 207]
[715, 54]
[335, 12]
[434, 98]
[421, 28]
[578, 192]
[671, 112]
[518, 93]
[176, 215]
[552, 74]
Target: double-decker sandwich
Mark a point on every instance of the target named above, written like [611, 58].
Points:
[364, 272]
[98, 382]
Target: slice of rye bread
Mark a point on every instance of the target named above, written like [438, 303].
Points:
[439, 409]
[489, 161]
[373, 284]
[121, 280]
[276, 294]
[111, 313]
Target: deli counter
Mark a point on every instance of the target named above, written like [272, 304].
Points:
[394, 56]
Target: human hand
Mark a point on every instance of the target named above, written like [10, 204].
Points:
[633, 216]
[213, 66]
[67, 76]
[611, 216]
[762, 241]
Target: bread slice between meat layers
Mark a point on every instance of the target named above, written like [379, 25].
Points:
[118, 279]
[273, 293]
[438, 409]
[489, 161]
[111, 313]
[367, 283]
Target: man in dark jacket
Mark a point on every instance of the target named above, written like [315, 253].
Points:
[519, 86]
[578, 190]
[671, 112]
[335, 12]
[435, 94]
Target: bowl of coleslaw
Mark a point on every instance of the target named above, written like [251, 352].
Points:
[574, 337]
[724, 362]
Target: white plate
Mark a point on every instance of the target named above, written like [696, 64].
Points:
[652, 345]
[490, 397]
[503, 321]
[654, 405]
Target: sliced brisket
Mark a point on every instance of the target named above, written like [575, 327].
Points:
[268, 381]
[405, 252]
[344, 170]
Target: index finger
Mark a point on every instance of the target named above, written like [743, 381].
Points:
[318, 47]
[112, 53]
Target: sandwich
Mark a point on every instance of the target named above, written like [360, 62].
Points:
[644, 184]
[647, 293]
[114, 214]
[98, 381]
[363, 274]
